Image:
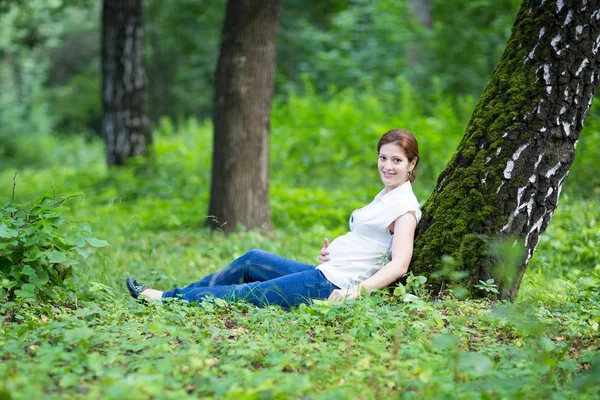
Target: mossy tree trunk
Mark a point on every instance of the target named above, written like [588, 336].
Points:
[124, 122]
[244, 82]
[504, 181]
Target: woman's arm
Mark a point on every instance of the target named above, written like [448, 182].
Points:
[402, 249]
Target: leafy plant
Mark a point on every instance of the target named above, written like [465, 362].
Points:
[414, 284]
[488, 286]
[39, 249]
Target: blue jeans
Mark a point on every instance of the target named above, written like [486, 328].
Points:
[261, 278]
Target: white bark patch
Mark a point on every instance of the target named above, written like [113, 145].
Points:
[596, 46]
[487, 160]
[484, 178]
[555, 40]
[563, 110]
[582, 66]
[498, 150]
[579, 29]
[499, 187]
[510, 165]
[553, 170]
[538, 225]
[559, 5]
[566, 93]
[517, 154]
[547, 78]
[543, 129]
[530, 55]
[567, 128]
[575, 144]
[568, 19]
[550, 191]
[519, 197]
[533, 178]
[532, 52]
[538, 161]
[529, 205]
[546, 74]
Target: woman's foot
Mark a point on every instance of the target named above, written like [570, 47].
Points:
[151, 294]
[136, 290]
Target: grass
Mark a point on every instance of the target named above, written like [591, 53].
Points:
[97, 342]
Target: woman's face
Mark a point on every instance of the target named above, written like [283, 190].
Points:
[393, 165]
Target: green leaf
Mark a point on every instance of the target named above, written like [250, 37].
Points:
[82, 253]
[27, 291]
[27, 270]
[39, 279]
[444, 341]
[6, 232]
[460, 292]
[95, 242]
[400, 290]
[474, 364]
[57, 257]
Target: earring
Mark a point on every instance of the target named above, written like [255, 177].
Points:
[410, 174]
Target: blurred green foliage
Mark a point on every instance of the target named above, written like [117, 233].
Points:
[50, 53]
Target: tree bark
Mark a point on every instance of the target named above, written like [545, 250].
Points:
[124, 122]
[422, 10]
[505, 179]
[243, 92]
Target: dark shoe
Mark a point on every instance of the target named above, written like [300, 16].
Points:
[135, 288]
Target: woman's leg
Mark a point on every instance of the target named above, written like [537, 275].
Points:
[286, 291]
[254, 266]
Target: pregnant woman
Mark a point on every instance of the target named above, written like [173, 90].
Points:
[372, 255]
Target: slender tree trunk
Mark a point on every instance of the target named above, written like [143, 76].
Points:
[244, 83]
[124, 122]
[421, 9]
[505, 179]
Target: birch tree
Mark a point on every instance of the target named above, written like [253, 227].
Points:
[124, 122]
[504, 182]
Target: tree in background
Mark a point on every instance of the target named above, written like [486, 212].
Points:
[243, 92]
[124, 122]
[505, 179]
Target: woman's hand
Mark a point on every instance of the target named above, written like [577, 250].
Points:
[324, 253]
[345, 294]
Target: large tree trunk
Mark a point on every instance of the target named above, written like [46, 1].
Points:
[124, 122]
[244, 83]
[505, 179]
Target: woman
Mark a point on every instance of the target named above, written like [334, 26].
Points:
[355, 262]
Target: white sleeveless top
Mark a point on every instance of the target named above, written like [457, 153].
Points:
[361, 252]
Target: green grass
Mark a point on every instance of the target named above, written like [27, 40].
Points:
[96, 342]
